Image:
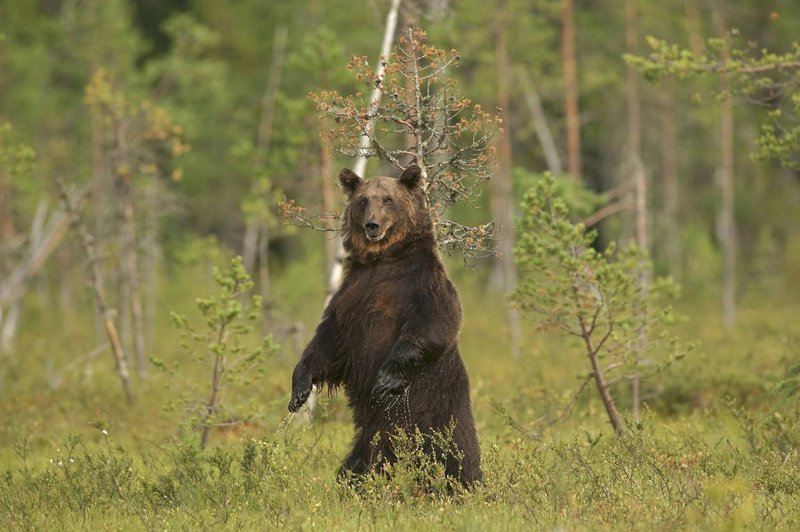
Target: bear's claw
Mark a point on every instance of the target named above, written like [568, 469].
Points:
[389, 385]
[301, 389]
[298, 400]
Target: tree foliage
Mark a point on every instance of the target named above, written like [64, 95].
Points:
[762, 77]
[422, 119]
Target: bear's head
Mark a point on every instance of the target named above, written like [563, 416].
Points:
[383, 213]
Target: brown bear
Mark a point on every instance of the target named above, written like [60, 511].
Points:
[388, 335]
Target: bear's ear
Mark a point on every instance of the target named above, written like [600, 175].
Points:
[349, 181]
[410, 176]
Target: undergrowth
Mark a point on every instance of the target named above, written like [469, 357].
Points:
[648, 478]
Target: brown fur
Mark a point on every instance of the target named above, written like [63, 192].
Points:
[390, 330]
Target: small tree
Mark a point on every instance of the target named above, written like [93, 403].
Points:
[223, 344]
[575, 290]
[422, 119]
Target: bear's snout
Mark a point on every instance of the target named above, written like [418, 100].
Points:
[373, 230]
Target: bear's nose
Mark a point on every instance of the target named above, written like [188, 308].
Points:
[371, 226]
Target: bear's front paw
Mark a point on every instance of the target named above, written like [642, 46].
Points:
[299, 398]
[301, 389]
[389, 384]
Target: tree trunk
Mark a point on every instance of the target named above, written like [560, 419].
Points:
[597, 370]
[130, 302]
[540, 123]
[727, 225]
[256, 242]
[271, 91]
[151, 257]
[669, 180]
[6, 209]
[100, 173]
[328, 198]
[638, 180]
[65, 293]
[263, 270]
[14, 284]
[500, 189]
[9, 316]
[211, 404]
[9, 323]
[96, 280]
[130, 258]
[571, 114]
[694, 28]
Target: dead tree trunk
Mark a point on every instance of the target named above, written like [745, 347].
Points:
[9, 319]
[14, 285]
[571, 113]
[501, 194]
[727, 224]
[96, 280]
[45, 238]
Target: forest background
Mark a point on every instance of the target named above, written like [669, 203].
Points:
[174, 129]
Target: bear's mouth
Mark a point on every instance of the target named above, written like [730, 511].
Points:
[375, 238]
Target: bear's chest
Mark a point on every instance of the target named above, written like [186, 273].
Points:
[372, 306]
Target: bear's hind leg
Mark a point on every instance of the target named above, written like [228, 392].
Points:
[356, 464]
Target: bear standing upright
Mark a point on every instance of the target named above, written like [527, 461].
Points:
[391, 329]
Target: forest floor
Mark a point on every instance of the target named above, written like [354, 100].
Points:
[716, 446]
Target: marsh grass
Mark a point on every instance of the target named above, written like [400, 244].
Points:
[716, 448]
[670, 478]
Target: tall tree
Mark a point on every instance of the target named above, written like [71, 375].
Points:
[571, 113]
[540, 123]
[500, 186]
[256, 239]
[727, 224]
[670, 189]
[636, 176]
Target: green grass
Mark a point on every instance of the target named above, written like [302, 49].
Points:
[716, 449]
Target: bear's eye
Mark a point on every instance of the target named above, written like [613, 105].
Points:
[387, 201]
[362, 202]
